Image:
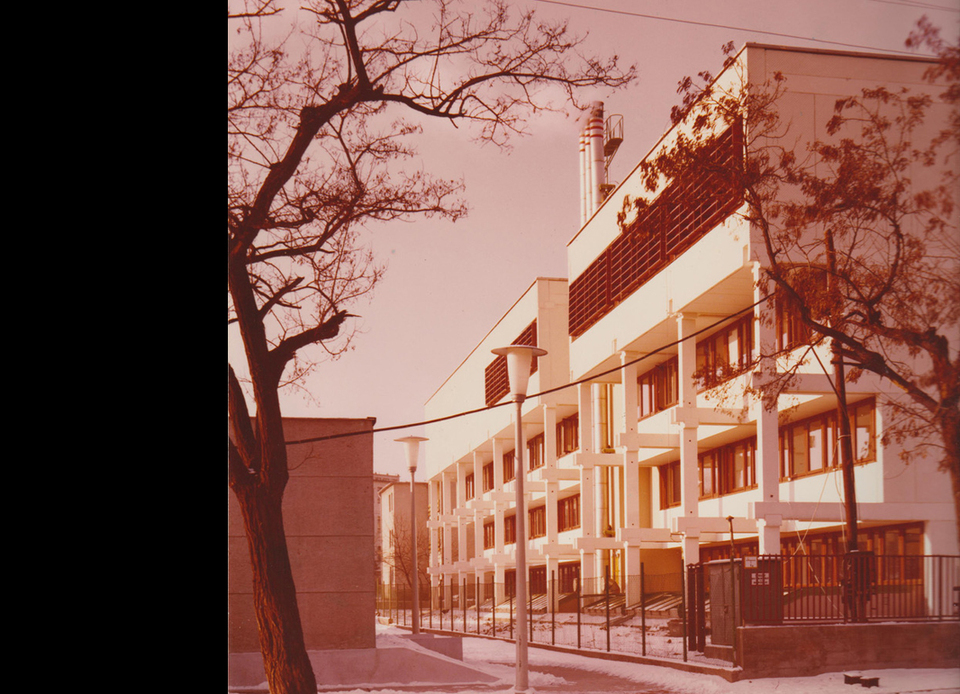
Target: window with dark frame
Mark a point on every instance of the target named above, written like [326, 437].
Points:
[659, 389]
[509, 466]
[535, 452]
[568, 435]
[488, 476]
[469, 489]
[538, 521]
[489, 534]
[810, 445]
[568, 513]
[669, 484]
[510, 530]
[726, 353]
[728, 469]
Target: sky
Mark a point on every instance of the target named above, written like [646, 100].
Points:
[446, 284]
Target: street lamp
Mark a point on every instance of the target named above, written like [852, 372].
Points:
[519, 358]
[413, 453]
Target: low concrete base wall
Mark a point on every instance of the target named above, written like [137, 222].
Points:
[795, 651]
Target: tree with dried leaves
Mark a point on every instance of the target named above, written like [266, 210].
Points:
[859, 231]
[319, 151]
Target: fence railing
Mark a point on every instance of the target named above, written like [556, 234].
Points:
[641, 617]
[670, 615]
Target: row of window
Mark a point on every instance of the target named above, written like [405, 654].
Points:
[807, 446]
[726, 353]
[568, 518]
[568, 441]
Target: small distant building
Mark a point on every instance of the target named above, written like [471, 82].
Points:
[395, 538]
[328, 516]
[380, 480]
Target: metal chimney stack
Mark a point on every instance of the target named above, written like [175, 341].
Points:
[592, 170]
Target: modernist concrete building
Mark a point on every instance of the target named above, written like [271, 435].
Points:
[639, 446]
[329, 521]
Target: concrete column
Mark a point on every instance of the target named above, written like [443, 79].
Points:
[631, 466]
[550, 463]
[447, 505]
[585, 406]
[461, 503]
[689, 466]
[768, 534]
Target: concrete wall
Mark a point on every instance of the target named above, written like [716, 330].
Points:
[329, 520]
[797, 651]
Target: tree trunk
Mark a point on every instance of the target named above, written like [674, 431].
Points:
[285, 659]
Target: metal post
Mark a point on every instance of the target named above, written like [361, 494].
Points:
[683, 609]
[553, 611]
[643, 615]
[578, 613]
[463, 599]
[476, 599]
[606, 599]
[521, 683]
[415, 581]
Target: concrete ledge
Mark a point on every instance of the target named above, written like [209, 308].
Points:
[796, 651]
[450, 646]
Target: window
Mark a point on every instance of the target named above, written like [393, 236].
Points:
[488, 476]
[728, 469]
[810, 445]
[669, 484]
[510, 530]
[569, 575]
[509, 466]
[568, 513]
[489, 534]
[792, 332]
[469, 488]
[659, 389]
[535, 452]
[568, 435]
[538, 521]
[726, 353]
[538, 580]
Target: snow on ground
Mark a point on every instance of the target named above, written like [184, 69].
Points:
[497, 658]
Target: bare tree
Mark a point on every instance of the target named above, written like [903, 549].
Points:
[318, 152]
[859, 231]
[397, 557]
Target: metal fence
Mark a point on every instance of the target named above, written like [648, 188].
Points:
[854, 587]
[672, 615]
[643, 617]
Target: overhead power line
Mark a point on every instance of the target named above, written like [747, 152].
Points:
[535, 395]
[725, 26]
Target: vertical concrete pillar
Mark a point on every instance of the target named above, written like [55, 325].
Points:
[630, 493]
[768, 534]
[461, 505]
[550, 463]
[688, 422]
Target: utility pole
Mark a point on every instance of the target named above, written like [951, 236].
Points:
[853, 566]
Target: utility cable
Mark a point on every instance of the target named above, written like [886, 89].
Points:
[535, 395]
[723, 26]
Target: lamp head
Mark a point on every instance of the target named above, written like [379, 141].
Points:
[412, 444]
[519, 358]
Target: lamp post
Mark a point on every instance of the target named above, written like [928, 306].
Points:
[412, 444]
[519, 358]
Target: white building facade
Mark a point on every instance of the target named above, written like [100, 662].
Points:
[640, 448]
